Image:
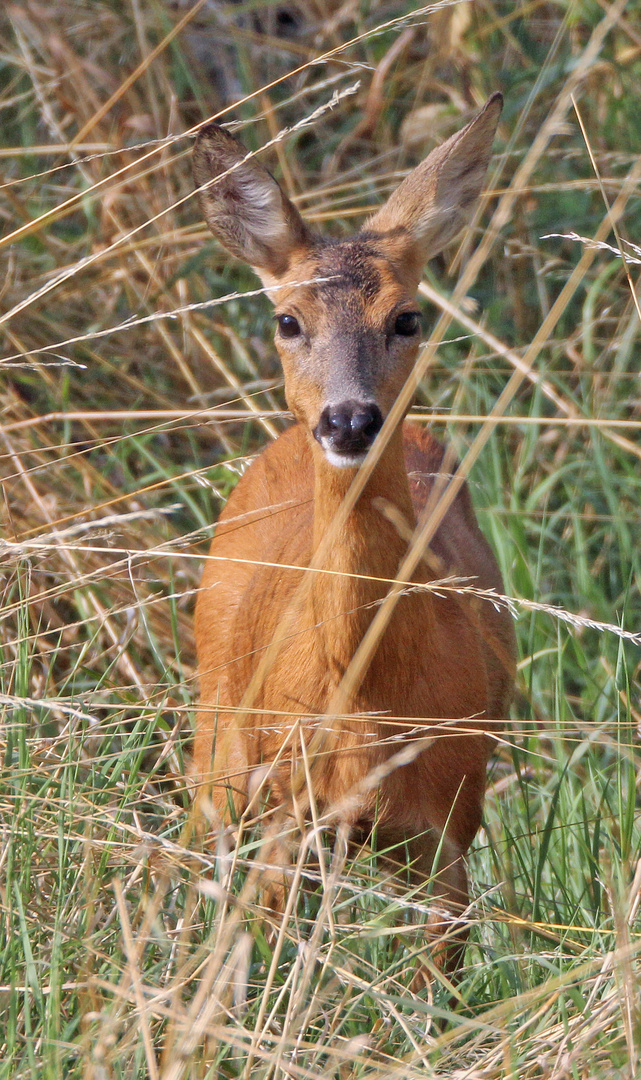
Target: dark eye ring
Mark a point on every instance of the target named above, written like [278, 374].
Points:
[288, 325]
[407, 323]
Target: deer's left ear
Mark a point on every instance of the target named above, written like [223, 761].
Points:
[436, 200]
[244, 206]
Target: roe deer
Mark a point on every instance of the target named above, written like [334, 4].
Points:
[276, 640]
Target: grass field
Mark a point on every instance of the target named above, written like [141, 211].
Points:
[129, 411]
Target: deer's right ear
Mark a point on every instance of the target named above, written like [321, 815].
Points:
[436, 200]
[244, 206]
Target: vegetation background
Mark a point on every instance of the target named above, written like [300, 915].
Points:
[138, 377]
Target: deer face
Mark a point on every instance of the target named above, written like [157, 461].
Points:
[347, 325]
[347, 343]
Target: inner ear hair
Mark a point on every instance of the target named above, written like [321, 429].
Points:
[437, 199]
[244, 206]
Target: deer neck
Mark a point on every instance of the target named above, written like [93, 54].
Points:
[364, 554]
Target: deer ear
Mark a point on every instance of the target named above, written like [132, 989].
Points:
[437, 198]
[244, 206]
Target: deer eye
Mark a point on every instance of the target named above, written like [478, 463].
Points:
[288, 325]
[407, 323]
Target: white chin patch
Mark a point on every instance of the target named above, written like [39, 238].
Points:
[342, 461]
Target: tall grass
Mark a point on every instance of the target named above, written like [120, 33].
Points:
[128, 413]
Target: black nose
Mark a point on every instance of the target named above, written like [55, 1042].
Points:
[351, 427]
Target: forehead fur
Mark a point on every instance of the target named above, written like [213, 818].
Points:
[352, 264]
[359, 276]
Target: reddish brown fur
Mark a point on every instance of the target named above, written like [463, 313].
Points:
[440, 658]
